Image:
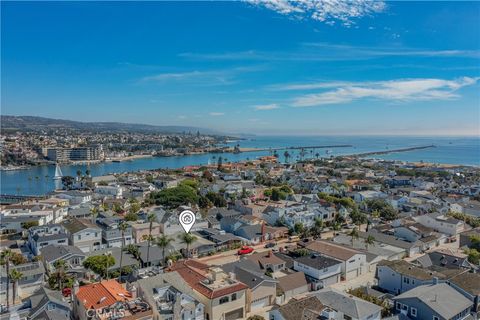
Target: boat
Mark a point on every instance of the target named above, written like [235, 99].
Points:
[58, 173]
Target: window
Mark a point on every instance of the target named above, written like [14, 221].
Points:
[347, 317]
[234, 297]
[79, 237]
[414, 311]
[435, 318]
[405, 307]
[223, 300]
[399, 306]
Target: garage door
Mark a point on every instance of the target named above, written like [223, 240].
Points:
[260, 303]
[352, 274]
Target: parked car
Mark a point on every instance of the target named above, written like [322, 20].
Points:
[67, 292]
[245, 250]
[270, 245]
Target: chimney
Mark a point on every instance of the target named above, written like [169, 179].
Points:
[269, 254]
[133, 291]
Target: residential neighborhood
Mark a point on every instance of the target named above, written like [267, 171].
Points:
[294, 241]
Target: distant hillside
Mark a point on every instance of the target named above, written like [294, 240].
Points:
[30, 123]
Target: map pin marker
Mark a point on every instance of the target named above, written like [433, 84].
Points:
[187, 220]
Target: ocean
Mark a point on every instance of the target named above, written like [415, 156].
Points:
[448, 150]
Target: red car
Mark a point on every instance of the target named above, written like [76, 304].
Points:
[66, 292]
[245, 250]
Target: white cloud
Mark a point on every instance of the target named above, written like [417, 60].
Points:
[216, 114]
[327, 11]
[263, 107]
[393, 90]
[221, 76]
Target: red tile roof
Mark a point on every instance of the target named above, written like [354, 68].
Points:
[195, 273]
[102, 294]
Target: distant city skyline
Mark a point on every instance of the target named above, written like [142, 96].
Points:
[271, 67]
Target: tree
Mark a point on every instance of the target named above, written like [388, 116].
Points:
[316, 229]
[133, 250]
[17, 258]
[204, 203]
[298, 228]
[188, 239]
[60, 275]
[174, 197]
[134, 208]
[358, 217]
[29, 224]
[473, 256]
[123, 227]
[163, 241]
[15, 275]
[131, 216]
[5, 260]
[217, 199]
[99, 264]
[151, 218]
[94, 214]
[370, 240]
[354, 234]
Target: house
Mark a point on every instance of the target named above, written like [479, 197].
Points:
[437, 301]
[467, 284]
[445, 258]
[109, 299]
[346, 306]
[399, 276]
[261, 291]
[113, 190]
[167, 301]
[322, 271]
[381, 239]
[470, 207]
[112, 236]
[127, 259]
[223, 296]
[200, 247]
[368, 195]
[44, 304]
[33, 274]
[75, 197]
[398, 181]
[72, 256]
[305, 308]
[267, 261]
[354, 263]
[140, 231]
[441, 223]
[84, 234]
[42, 236]
[291, 285]
[222, 239]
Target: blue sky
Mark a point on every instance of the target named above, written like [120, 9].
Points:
[397, 68]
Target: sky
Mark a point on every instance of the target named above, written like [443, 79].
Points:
[326, 67]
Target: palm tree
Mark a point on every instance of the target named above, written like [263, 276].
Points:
[93, 214]
[188, 239]
[163, 242]
[5, 260]
[60, 267]
[369, 241]
[15, 275]
[354, 234]
[123, 227]
[150, 218]
[110, 261]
